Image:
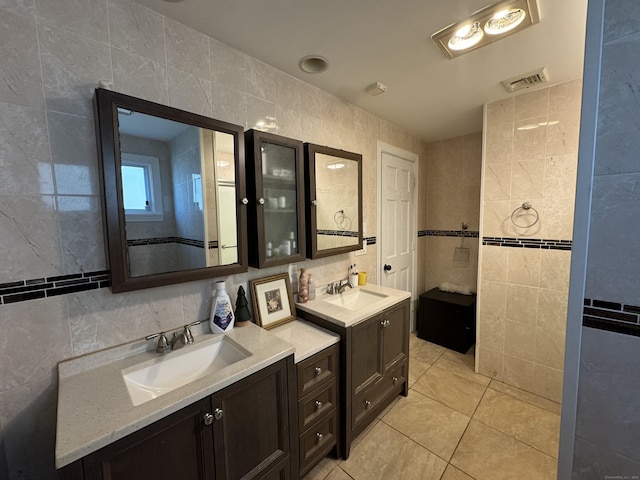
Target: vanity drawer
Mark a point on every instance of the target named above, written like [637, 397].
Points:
[366, 402]
[316, 404]
[319, 368]
[317, 442]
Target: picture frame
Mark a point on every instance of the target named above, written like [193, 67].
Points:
[272, 300]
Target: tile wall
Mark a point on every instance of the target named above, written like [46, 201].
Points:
[52, 55]
[607, 429]
[530, 155]
[452, 197]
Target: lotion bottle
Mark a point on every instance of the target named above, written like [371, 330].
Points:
[222, 317]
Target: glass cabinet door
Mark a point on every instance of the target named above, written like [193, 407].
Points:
[276, 220]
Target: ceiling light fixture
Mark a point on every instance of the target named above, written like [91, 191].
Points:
[313, 64]
[497, 21]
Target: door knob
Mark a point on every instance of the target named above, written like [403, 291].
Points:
[387, 267]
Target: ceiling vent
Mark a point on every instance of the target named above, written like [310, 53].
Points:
[527, 80]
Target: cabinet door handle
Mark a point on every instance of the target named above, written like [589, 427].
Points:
[217, 413]
[319, 436]
[385, 323]
[314, 202]
[318, 371]
[395, 380]
[261, 201]
[207, 419]
[318, 404]
[244, 201]
[367, 404]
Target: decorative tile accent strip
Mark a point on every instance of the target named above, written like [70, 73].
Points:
[611, 316]
[528, 243]
[370, 240]
[160, 240]
[338, 233]
[51, 286]
[448, 233]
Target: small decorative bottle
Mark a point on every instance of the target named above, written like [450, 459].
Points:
[222, 318]
[303, 286]
[312, 288]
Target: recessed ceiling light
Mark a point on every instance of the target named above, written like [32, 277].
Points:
[313, 64]
[466, 37]
[505, 21]
[497, 21]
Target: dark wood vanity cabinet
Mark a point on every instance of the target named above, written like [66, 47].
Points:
[317, 406]
[241, 432]
[276, 213]
[375, 358]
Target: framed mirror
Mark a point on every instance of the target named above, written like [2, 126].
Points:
[334, 201]
[174, 194]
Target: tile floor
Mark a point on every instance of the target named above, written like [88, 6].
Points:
[454, 425]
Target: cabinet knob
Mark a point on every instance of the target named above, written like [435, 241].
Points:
[319, 436]
[385, 323]
[207, 419]
[318, 370]
[244, 201]
[367, 404]
[261, 201]
[318, 404]
[217, 413]
[314, 202]
[395, 380]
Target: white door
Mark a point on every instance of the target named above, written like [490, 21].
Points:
[397, 229]
[227, 235]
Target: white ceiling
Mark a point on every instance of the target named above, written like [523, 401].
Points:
[389, 41]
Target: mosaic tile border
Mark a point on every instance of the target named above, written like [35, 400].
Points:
[35, 288]
[162, 240]
[448, 233]
[544, 243]
[338, 233]
[611, 316]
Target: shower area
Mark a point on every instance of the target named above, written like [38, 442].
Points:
[513, 186]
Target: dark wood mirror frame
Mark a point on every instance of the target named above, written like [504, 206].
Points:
[310, 151]
[106, 105]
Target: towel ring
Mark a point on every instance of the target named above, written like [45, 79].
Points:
[339, 217]
[526, 206]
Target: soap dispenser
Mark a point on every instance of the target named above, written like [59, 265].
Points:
[222, 318]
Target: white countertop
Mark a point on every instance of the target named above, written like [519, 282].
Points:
[94, 406]
[307, 338]
[344, 317]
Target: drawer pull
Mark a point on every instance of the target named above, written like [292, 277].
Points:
[318, 371]
[319, 436]
[395, 380]
[318, 404]
[367, 404]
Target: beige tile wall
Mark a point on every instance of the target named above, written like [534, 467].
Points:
[530, 155]
[451, 196]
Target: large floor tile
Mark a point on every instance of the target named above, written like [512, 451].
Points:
[424, 351]
[337, 474]
[416, 370]
[433, 425]
[528, 423]
[322, 469]
[525, 396]
[462, 365]
[385, 454]
[451, 389]
[487, 454]
[452, 473]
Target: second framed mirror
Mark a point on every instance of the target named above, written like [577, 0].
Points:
[276, 216]
[334, 201]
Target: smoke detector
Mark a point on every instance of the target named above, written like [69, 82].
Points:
[526, 80]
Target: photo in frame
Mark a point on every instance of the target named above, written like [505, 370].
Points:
[272, 301]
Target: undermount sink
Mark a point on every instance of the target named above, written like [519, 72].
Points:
[356, 299]
[178, 368]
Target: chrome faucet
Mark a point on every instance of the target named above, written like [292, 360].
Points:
[339, 286]
[179, 340]
[344, 283]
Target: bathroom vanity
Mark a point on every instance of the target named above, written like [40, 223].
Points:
[373, 324]
[234, 421]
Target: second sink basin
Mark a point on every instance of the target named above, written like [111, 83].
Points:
[356, 299]
[164, 374]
